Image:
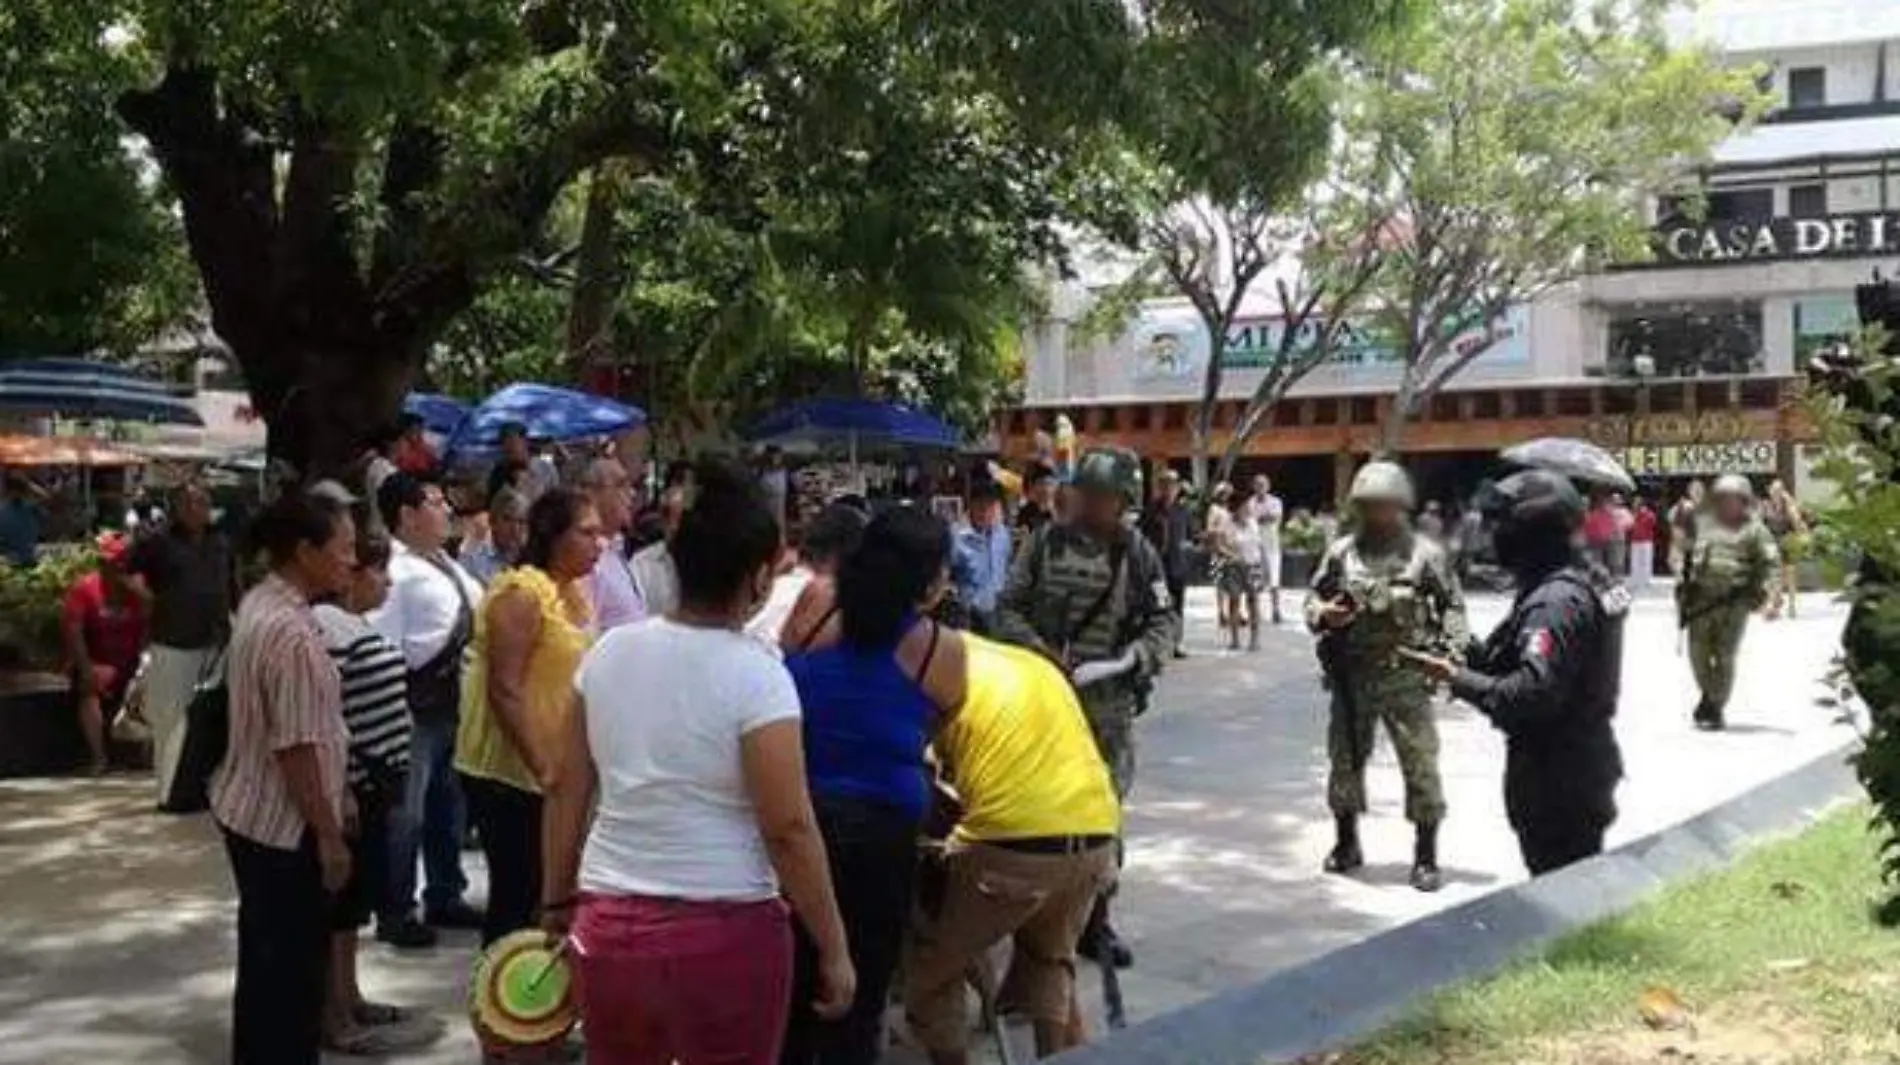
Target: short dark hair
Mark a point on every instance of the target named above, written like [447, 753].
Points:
[372, 548]
[986, 490]
[293, 519]
[408, 420]
[400, 490]
[833, 534]
[509, 429]
[724, 537]
[551, 517]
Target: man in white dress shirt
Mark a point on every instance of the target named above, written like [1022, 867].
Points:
[653, 575]
[615, 600]
[430, 614]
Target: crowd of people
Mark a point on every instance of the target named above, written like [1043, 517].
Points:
[762, 777]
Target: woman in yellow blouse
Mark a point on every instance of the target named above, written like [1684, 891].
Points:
[530, 634]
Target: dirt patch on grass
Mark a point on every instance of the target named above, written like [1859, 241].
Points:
[1742, 1032]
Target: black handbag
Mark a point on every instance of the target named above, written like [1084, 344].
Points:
[207, 737]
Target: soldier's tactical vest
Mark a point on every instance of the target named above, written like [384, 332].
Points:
[1721, 561]
[1393, 593]
[1082, 594]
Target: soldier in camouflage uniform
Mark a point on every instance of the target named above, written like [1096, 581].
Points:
[1729, 571]
[1377, 590]
[1091, 594]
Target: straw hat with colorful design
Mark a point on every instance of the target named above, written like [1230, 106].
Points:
[521, 993]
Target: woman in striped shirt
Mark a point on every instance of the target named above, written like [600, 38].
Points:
[279, 795]
[376, 713]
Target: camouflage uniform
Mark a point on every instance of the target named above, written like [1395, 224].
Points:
[1730, 572]
[1052, 590]
[1406, 596]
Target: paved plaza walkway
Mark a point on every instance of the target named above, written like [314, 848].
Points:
[116, 924]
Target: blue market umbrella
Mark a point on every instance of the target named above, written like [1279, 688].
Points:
[547, 413]
[84, 389]
[853, 422]
[440, 414]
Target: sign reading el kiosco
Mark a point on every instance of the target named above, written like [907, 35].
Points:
[1171, 345]
[1701, 460]
[1772, 239]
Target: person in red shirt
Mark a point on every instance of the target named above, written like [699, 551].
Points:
[104, 627]
[1642, 545]
[412, 452]
[1599, 531]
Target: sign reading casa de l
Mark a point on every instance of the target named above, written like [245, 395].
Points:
[1770, 239]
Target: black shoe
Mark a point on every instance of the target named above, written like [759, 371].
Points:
[1093, 946]
[1708, 717]
[1345, 855]
[406, 934]
[456, 914]
[1425, 860]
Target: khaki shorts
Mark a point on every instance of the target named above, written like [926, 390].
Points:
[1040, 901]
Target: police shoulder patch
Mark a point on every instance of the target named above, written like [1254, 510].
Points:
[1538, 643]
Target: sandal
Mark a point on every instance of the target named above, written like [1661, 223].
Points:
[381, 1041]
[377, 1014]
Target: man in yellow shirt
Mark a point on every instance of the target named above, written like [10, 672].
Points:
[1034, 848]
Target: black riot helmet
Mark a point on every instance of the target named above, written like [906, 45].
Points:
[1534, 516]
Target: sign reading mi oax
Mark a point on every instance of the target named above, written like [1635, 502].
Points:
[1775, 239]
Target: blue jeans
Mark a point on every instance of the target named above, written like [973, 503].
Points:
[431, 821]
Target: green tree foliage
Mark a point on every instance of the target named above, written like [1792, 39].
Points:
[1511, 145]
[353, 175]
[1229, 125]
[90, 255]
[1857, 407]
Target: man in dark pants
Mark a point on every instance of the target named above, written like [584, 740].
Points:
[1169, 526]
[1548, 676]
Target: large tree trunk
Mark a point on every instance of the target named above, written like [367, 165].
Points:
[1392, 431]
[596, 277]
[337, 402]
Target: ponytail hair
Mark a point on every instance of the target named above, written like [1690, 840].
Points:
[902, 554]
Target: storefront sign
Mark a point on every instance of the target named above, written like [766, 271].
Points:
[1622, 431]
[1770, 239]
[1254, 344]
[1701, 460]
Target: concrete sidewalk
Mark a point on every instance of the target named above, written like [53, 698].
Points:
[116, 926]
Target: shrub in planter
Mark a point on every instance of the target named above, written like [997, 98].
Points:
[1301, 544]
[31, 598]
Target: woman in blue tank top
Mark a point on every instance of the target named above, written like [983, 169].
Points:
[875, 679]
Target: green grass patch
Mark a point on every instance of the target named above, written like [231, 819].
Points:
[1777, 957]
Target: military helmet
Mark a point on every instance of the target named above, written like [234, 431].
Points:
[1110, 469]
[1381, 482]
[1532, 499]
[1733, 484]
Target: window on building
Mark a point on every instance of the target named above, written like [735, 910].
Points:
[1807, 87]
[1018, 422]
[1108, 419]
[1286, 412]
[1325, 412]
[1445, 408]
[1139, 418]
[1527, 403]
[1617, 400]
[1174, 416]
[1667, 398]
[1365, 410]
[1712, 395]
[1761, 395]
[1686, 340]
[1807, 201]
[1487, 406]
[1574, 403]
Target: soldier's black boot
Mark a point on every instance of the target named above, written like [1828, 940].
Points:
[1346, 855]
[1100, 941]
[1425, 860]
[1708, 716]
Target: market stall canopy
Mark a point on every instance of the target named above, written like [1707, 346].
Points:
[1578, 460]
[85, 389]
[440, 414]
[42, 451]
[855, 422]
[548, 413]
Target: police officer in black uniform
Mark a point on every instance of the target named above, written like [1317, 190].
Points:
[1548, 676]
